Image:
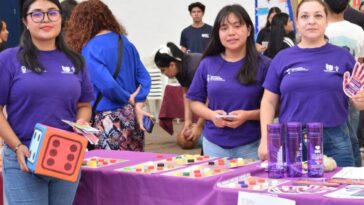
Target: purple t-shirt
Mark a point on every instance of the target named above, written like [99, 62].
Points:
[46, 98]
[309, 82]
[216, 80]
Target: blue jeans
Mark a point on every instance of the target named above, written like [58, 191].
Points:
[30, 189]
[337, 144]
[353, 125]
[244, 151]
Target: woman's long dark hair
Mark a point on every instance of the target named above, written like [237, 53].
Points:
[28, 52]
[248, 72]
[271, 10]
[277, 33]
[163, 57]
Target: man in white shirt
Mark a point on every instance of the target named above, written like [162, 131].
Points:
[350, 36]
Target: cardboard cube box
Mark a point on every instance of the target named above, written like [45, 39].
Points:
[56, 153]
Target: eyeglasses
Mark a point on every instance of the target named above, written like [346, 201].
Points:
[38, 16]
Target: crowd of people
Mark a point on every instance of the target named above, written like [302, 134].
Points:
[73, 64]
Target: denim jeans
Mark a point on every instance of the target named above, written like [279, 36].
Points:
[337, 144]
[353, 125]
[244, 151]
[31, 189]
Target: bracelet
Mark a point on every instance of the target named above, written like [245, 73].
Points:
[17, 147]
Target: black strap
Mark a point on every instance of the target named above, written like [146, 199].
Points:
[116, 73]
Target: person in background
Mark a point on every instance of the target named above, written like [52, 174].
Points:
[4, 34]
[67, 7]
[264, 33]
[357, 17]
[195, 37]
[354, 16]
[351, 37]
[230, 76]
[41, 81]
[306, 81]
[174, 63]
[119, 113]
[279, 39]
[361, 117]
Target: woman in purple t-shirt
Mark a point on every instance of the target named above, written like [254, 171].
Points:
[41, 81]
[306, 82]
[230, 78]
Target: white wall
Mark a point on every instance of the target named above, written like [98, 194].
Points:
[151, 23]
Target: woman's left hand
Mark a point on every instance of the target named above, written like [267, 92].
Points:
[139, 112]
[240, 117]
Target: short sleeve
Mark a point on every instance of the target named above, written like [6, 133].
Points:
[87, 94]
[183, 39]
[264, 67]
[272, 80]
[198, 88]
[5, 80]
[350, 62]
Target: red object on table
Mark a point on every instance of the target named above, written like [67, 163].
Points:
[172, 107]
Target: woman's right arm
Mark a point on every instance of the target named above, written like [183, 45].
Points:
[10, 138]
[267, 111]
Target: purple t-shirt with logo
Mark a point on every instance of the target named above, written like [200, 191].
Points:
[216, 80]
[309, 82]
[46, 98]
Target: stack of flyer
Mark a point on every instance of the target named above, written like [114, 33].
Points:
[86, 130]
[354, 177]
[355, 173]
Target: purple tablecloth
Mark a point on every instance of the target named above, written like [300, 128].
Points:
[109, 187]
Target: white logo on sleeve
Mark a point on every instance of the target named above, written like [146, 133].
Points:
[68, 70]
[331, 68]
[214, 78]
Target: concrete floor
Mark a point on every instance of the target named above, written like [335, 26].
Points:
[160, 141]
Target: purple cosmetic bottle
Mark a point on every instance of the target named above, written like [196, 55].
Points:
[315, 149]
[294, 149]
[275, 151]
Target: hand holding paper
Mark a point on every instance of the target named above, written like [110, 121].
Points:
[354, 83]
[85, 130]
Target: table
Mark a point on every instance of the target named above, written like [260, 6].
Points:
[172, 107]
[106, 186]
